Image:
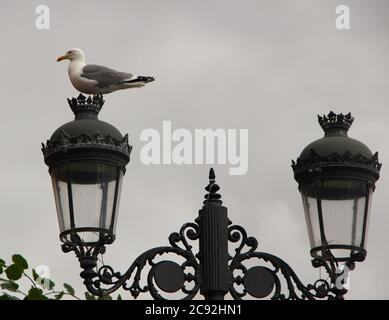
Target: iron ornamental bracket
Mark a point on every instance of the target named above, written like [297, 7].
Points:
[167, 275]
[212, 271]
[163, 277]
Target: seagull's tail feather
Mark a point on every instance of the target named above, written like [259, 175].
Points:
[146, 79]
[139, 79]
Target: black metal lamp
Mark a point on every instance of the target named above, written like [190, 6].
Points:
[87, 159]
[336, 176]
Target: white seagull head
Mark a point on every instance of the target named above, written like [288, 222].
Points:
[73, 55]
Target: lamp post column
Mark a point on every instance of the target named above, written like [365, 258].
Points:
[213, 254]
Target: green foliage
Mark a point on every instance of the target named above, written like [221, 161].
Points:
[59, 295]
[20, 261]
[14, 272]
[40, 288]
[34, 275]
[2, 265]
[89, 296]
[69, 289]
[10, 286]
[43, 282]
[36, 294]
[6, 296]
[48, 284]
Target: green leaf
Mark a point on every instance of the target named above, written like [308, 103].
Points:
[10, 286]
[120, 297]
[51, 284]
[43, 282]
[59, 295]
[34, 275]
[89, 296]
[107, 297]
[2, 265]
[14, 272]
[20, 261]
[6, 296]
[36, 294]
[46, 283]
[69, 289]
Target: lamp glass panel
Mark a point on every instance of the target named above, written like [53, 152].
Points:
[337, 213]
[62, 203]
[88, 190]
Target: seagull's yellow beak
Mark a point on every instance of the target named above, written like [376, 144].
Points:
[62, 58]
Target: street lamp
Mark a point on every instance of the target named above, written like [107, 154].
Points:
[87, 159]
[336, 176]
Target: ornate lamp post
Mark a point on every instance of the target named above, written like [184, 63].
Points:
[336, 176]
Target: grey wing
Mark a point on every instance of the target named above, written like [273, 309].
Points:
[104, 76]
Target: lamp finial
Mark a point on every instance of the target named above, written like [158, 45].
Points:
[82, 104]
[212, 197]
[333, 120]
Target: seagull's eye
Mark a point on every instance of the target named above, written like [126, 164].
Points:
[69, 52]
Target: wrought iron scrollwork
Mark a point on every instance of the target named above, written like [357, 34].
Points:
[237, 274]
[262, 281]
[162, 277]
[265, 279]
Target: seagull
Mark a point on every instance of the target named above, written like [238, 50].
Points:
[95, 79]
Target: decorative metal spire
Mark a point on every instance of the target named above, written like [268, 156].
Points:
[82, 103]
[333, 120]
[212, 188]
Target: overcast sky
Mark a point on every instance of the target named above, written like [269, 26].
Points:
[266, 66]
